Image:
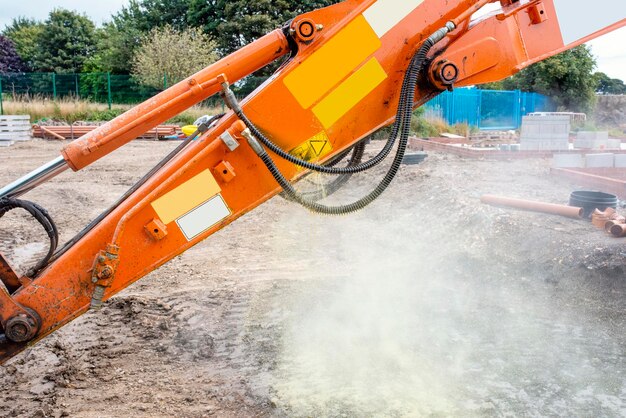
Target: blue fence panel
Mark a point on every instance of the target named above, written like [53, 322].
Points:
[487, 109]
[436, 108]
[465, 107]
[499, 109]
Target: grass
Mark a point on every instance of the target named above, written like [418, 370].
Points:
[431, 128]
[70, 111]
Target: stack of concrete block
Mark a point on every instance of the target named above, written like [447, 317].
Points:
[545, 132]
[591, 140]
[600, 160]
[14, 128]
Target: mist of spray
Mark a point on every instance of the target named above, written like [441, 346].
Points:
[404, 313]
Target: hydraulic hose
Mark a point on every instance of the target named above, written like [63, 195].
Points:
[44, 219]
[402, 124]
[327, 189]
[328, 168]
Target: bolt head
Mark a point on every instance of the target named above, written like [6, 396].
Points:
[106, 272]
[449, 73]
[21, 328]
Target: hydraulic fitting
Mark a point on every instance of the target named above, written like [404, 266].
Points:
[229, 96]
[253, 142]
[103, 273]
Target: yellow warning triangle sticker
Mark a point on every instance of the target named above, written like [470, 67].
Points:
[313, 149]
[318, 146]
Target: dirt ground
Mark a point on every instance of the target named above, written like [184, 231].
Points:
[427, 303]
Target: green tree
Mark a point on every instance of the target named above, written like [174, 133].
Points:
[146, 15]
[65, 43]
[115, 47]
[231, 24]
[10, 61]
[24, 33]
[177, 54]
[608, 85]
[234, 24]
[567, 78]
[119, 39]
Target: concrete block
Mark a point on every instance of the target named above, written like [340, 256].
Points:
[620, 160]
[599, 160]
[568, 161]
[591, 140]
[592, 135]
[545, 132]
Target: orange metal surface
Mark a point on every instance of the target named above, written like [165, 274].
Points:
[499, 46]
[134, 239]
[8, 276]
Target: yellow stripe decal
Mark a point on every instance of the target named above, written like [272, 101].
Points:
[186, 197]
[349, 93]
[327, 66]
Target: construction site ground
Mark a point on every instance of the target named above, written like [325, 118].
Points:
[427, 303]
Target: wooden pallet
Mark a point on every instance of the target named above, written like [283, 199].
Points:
[70, 132]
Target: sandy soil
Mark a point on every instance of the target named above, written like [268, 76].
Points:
[425, 304]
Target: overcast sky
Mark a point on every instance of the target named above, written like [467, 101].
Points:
[610, 50]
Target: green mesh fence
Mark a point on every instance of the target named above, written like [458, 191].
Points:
[93, 87]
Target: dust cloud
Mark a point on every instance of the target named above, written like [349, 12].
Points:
[405, 312]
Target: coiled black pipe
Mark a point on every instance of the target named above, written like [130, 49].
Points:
[337, 183]
[44, 219]
[405, 111]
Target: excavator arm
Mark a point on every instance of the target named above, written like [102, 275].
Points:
[349, 70]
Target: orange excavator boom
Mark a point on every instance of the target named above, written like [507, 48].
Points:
[349, 70]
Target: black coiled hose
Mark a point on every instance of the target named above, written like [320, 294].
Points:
[327, 189]
[329, 168]
[45, 220]
[402, 124]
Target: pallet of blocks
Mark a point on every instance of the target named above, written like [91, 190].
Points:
[14, 128]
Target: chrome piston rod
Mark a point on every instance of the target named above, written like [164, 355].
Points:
[34, 178]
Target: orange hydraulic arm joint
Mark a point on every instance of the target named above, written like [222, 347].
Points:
[517, 35]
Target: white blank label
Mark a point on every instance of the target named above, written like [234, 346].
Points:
[203, 217]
